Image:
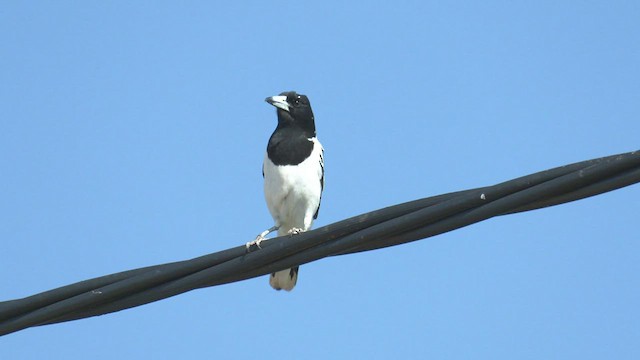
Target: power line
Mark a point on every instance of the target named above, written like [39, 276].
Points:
[381, 228]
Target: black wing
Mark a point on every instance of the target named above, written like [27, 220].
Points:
[315, 216]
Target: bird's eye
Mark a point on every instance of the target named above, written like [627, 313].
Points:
[297, 100]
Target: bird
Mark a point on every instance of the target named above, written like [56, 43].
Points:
[293, 171]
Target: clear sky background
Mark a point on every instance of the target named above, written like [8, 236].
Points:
[132, 134]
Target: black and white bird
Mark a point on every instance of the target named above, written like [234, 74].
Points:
[293, 171]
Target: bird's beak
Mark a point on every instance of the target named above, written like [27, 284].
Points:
[279, 101]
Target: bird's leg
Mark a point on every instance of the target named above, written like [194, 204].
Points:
[261, 237]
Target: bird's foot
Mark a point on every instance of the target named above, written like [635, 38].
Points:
[295, 231]
[261, 237]
[255, 242]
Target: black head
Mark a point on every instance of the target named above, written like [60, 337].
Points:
[294, 110]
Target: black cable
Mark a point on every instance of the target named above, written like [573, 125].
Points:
[390, 226]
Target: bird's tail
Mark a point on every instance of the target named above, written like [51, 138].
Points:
[284, 279]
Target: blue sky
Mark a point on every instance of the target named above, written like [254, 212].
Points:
[132, 134]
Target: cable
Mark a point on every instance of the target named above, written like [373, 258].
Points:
[381, 228]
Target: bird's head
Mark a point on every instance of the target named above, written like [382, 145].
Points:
[294, 110]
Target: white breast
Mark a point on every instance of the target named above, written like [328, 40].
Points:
[293, 192]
